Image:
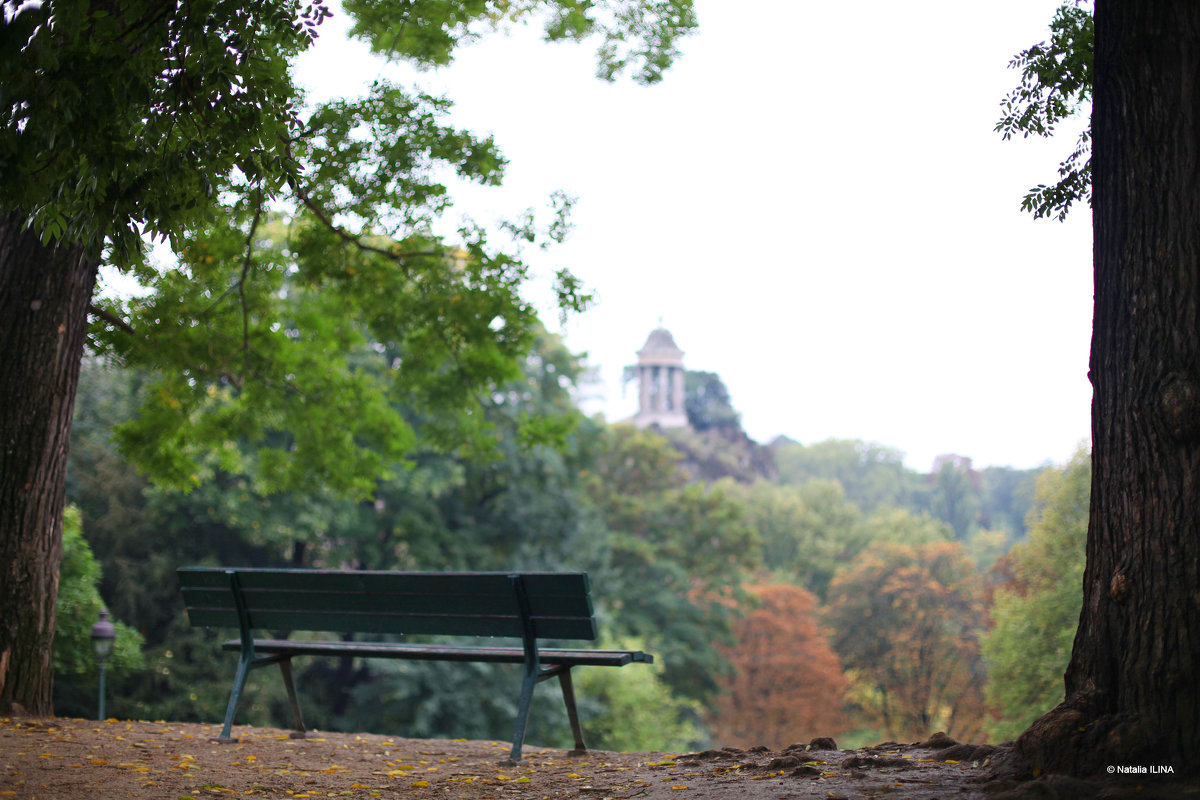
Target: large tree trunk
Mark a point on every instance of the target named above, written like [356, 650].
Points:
[44, 296]
[1133, 684]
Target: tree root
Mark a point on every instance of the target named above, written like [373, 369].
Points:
[1072, 752]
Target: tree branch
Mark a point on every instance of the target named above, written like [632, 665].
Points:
[349, 237]
[242, 285]
[111, 319]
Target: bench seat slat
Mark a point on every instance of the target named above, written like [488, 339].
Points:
[437, 652]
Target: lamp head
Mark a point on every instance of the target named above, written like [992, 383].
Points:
[103, 634]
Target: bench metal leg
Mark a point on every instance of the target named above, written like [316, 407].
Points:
[285, 666]
[568, 691]
[245, 664]
[530, 680]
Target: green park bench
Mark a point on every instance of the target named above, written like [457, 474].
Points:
[528, 606]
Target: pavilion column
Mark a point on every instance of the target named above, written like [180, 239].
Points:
[678, 388]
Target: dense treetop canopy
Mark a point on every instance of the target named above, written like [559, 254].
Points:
[306, 283]
[123, 118]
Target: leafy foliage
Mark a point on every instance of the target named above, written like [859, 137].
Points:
[1036, 612]
[1056, 84]
[636, 711]
[676, 558]
[270, 327]
[788, 684]
[809, 532]
[263, 322]
[871, 475]
[906, 623]
[79, 607]
[634, 33]
[720, 453]
[901, 526]
[1007, 497]
[707, 403]
[119, 120]
[874, 477]
[143, 113]
[954, 494]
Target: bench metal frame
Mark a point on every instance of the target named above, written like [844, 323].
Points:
[560, 608]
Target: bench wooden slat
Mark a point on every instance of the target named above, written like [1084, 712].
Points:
[549, 594]
[536, 583]
[438, 652]
[397, 602]
[392, 601]
[430, 583]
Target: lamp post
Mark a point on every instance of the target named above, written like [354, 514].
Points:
[102, 642]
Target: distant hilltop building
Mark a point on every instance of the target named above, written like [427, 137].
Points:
[659, 374]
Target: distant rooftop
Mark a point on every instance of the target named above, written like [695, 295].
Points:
[660, 343]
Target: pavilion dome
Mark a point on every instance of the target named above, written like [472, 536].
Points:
[660, 343]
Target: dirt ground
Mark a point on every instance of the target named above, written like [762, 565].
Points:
[74, 758]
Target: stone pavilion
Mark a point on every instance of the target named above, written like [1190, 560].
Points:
[659, 373]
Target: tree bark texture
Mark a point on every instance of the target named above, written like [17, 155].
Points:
[1133, 684]
[44, 296]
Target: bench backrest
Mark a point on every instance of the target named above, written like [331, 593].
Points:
[556, 604]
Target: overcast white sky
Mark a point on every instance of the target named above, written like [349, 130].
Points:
[815, 204]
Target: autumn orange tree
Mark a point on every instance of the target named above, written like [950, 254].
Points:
[906, 624]
[789, 685]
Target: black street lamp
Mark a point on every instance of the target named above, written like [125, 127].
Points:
[102, 642]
